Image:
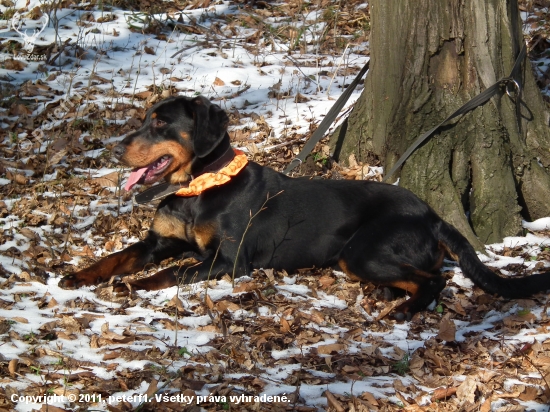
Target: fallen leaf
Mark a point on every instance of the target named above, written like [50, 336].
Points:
[333, 403]
[151, 390]
[176, 302]
[94, 342]
[466, 390]
[12, 367]
[285, 326]
[224, 305]
[326, 281]
[447, 330]
[170, 324]
[350, 369]
[29, 234]
[245, 287]
[328, 349]
[515, 320]
[108, 180]
[486, 375]
[112, 355]
[71, 325]
[239, 135]
[389, 307]
[16, 65]
[18, 109]
[369, 397]
[511, 408]
[398, 385]
[144, 95]
[108, 338]
[486, 406]
[56, 157]
[17, 178]
[209, 302]
[529, 394]
[443, 394]
[209, 328]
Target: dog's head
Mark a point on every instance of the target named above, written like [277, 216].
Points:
[178, 135]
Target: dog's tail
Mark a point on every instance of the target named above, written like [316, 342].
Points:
[482, 276]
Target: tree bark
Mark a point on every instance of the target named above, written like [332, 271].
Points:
[484, 171]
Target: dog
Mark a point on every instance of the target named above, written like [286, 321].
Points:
[235, 216]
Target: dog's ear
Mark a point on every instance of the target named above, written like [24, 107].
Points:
[210, 126]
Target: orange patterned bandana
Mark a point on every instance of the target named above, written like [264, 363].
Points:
[208, 180]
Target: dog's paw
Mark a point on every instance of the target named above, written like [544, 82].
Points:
[77, 280]
[402, 316]
[71, 282]
[120, 288]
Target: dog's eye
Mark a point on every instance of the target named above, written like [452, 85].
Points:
[158, 123]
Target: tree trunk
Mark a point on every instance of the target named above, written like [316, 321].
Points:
[484, 171]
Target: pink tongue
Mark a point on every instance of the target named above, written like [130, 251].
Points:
[134, 177]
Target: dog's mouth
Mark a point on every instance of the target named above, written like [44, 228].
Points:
[148, 174]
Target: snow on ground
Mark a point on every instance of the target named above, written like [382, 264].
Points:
[313, 337]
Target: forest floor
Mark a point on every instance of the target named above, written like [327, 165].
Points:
[310, 340]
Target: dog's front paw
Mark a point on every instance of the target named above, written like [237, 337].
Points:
[404, 311]
[69, 282]
[77, 280]
[121, 288]
[402, 316]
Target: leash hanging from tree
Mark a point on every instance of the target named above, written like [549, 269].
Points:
[502, 85]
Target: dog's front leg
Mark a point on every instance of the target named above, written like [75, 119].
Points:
[129, 260]
[153, 249]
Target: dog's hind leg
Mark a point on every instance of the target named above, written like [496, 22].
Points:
[400, 253]
[423, 287]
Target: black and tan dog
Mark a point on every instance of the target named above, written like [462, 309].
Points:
[374, 232]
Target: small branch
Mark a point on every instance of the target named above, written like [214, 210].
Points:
[252, 216]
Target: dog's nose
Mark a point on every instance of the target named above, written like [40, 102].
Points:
[118, 151]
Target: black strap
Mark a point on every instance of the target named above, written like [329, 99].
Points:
[478, 100]
[327, 121]
[516, 70]
[157, 192]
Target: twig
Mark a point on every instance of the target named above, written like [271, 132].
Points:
[301, 139]
[212, 268]
[69, 231]
[252, 216]
[336, 71]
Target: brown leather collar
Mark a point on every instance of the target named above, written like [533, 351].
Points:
[217, 164]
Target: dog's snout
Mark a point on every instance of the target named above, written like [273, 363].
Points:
[118, 151]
